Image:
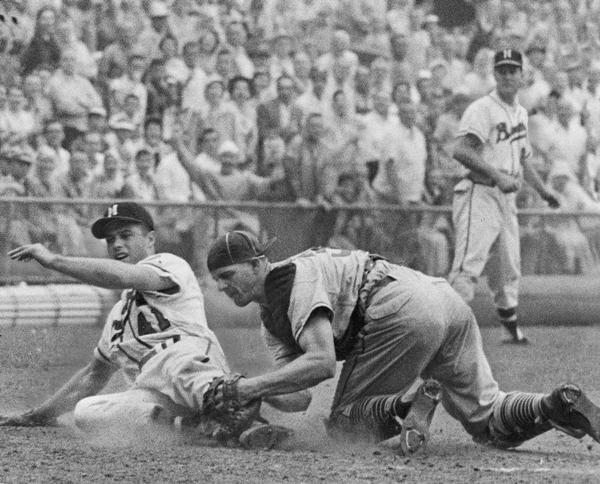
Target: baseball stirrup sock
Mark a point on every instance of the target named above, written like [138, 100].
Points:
[378, 409]
[521, 410]
[508, 318]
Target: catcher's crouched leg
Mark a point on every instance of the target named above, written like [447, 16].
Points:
[232, 422]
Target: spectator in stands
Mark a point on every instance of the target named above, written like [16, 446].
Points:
[241, 93]
[224, 65]
[72, 96]
[149, 39]
[97, 122]
[116, 57]
[572, 253]
[309, 164]
[76, 183]
[236, 39]
[480, 80]
[53, 138]
[16, 123]
[313, 100]
[19, 229]
[36, 102]
[380, 130]
[129, 83]
[155, 80]
[85, 65]
[209, 44]
[195, 81]
[280, 116]
[120, 139]
[302, 68]
[109, 182]
[43, 48]
[281, 62]
[339, 52]
[140, 185]
[174, 65]
[208, 158]
[362, 87]
[356, 229]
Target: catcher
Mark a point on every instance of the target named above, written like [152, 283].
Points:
[158, 335]
[393, 327]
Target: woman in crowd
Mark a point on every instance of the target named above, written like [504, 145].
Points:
[43, 47]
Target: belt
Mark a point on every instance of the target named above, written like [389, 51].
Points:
[344, 345]
[157, 349]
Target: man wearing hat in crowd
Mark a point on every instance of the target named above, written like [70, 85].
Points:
[493, 145]
[156, 333]
[407, 341]
[149, 39]
[15, 166]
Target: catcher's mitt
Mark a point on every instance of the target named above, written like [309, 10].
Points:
[28, 419]
[221, 403]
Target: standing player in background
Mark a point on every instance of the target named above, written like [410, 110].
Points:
[157, 334]
[494, 146]
[392, 327]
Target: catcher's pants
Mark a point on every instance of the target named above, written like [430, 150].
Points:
[175, 380]
[487, 237]
[418, 327]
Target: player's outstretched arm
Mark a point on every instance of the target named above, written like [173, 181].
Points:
[317, 363]
[108, 273]
[86, 382]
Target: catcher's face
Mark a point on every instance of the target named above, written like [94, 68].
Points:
[239, 281]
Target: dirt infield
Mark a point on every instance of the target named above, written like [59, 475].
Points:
[33, 362]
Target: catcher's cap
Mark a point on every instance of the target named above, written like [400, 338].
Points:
[508, 57]
[234, 248]
[126, 212]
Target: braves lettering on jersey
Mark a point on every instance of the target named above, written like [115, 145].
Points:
[501, 128]
[143, 319]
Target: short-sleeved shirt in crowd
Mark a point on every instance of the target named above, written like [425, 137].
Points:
[142, 319]
[501, 128]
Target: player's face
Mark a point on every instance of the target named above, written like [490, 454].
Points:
[238, 281]
[508, 79]
[129, 242]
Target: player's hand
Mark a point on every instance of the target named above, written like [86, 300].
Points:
[27, 419]
[507, 183]
[550, 199]
[36, 252]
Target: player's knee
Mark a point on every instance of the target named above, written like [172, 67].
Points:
[85, 413]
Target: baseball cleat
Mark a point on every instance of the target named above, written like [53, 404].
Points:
[568, 409]
[264, 436]
[415, 435]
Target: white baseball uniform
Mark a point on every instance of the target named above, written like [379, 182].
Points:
[485, 218]
[161, 341]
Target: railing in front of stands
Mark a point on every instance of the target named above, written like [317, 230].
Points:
[419, 236]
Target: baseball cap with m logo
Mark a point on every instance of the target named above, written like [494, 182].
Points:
[126, 212]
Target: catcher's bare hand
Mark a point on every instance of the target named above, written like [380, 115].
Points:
[36, 252]
[27, 419]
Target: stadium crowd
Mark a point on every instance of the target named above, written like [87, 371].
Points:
[318, 102]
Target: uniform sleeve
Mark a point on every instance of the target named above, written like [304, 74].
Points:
[171, 267]
[476, 121]
[308, 294]
[102, 349]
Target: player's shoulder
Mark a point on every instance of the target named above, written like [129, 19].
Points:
[167, 262]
